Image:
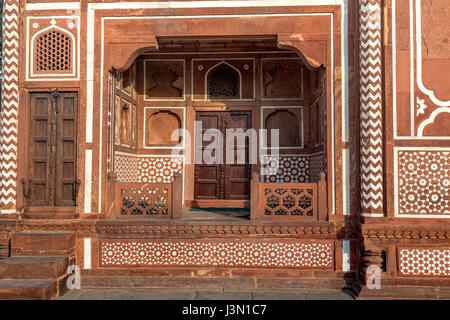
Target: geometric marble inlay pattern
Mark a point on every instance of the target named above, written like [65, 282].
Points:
[126, 168]
[158, 170]
[130, 168]
[288, 254]
[291, 169]
[424, 262]
[315, 166]
[423, 182]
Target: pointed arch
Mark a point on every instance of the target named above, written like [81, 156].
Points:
[69, 48]
[233, 68]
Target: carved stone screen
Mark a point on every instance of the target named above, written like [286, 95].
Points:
[223, 82]
[53, 52]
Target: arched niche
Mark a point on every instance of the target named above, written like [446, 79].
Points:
[125, 124]
[223, 81]
[159, 127]
[288, 124]
[164, 79]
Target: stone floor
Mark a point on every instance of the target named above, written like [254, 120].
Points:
[185, 294]
[216, 214]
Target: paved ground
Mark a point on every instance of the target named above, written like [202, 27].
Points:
[184, 294]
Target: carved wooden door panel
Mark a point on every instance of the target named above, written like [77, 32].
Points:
[221, 181]
[39, 152]
[208, 176]
[66, 149]
[237, 174]
[52, 149]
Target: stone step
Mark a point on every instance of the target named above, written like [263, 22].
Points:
[4, 247]
[33, 267]
[42, 243]
[404, 292]
[28, 289]
[209, 282]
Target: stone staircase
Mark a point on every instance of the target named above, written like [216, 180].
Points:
[37, 267]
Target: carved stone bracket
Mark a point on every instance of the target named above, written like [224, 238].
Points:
[314, 52]
[123, 50]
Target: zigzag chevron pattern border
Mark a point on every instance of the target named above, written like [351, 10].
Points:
[10, 106]
[371, 108]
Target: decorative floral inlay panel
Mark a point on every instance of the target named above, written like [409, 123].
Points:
[424, 262]
[288, 254]
[423, 182]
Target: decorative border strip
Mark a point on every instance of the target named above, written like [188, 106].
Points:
[168, 230]
[286, 254]
[371, 108]
[10, 107]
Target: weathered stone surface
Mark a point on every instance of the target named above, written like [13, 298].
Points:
[223, 295]
[42, 243]
[33, 267]
[167, 282]
[28, 289]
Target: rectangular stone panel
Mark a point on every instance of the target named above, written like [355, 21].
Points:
[217, 253]
[433, 262]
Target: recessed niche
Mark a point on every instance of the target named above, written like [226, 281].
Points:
[289, 122]
[159, 126]
[282, 79]
[125, 123]
[164, 80]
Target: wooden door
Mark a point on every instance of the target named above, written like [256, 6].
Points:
[52, 149]
[222, 181]
[39, 152]
[208, 177]
[237, 174]
[65, 148]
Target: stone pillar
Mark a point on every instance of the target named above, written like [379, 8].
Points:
[371, 108]
[322, 197]
[10, 107]
[254, 197]
[177, 196]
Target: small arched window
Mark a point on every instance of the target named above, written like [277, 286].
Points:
[53, 52]
[223, 82]
[289, 128]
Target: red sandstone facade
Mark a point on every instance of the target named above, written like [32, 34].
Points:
[92, 90]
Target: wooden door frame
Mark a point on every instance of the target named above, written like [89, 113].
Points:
[43, 212]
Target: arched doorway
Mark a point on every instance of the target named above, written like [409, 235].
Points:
[249, 84]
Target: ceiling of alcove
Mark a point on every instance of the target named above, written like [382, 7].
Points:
[208, 44]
